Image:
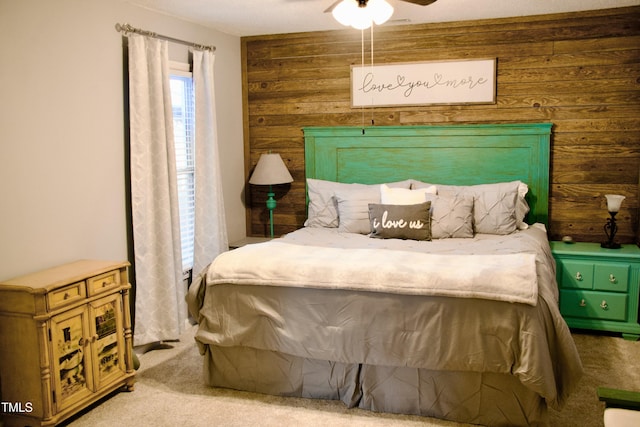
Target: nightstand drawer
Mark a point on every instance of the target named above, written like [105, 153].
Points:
[593, 305]
[575, 274]
[103, 282]
[611, 277]
[67, 295]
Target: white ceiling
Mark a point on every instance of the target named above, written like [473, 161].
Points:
[260, 17]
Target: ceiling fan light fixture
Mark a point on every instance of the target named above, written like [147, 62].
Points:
[344, 11]
[362, 14]
[380, 11]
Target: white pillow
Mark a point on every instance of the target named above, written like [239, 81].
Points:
[353, 208]
[323, 206]
[404, 196]
[522, 207]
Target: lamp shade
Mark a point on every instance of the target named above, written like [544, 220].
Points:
[613, 202]
[270, 170]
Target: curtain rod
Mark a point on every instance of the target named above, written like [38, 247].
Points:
[126, 28]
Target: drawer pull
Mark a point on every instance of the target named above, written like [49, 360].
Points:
[104, 284]
[612, 278]
[604, 305]
[579, 276]
[583, 303]
[66, 295]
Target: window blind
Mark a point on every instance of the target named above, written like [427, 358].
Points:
[182, 100]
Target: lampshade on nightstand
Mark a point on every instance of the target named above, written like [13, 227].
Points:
[270, 171]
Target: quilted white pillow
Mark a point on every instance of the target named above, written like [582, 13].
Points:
[404, 196]
[451, 216]
[521, 205]
[494, 205]
[494, 212]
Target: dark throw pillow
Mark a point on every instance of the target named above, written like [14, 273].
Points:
[400, 221]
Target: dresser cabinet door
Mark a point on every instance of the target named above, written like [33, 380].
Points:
[107, 340]
[72, 368]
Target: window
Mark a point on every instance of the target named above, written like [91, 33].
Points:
[182, 101]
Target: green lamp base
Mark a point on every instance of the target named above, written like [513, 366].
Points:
[271, 205]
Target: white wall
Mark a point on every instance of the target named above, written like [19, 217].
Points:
[62, 144]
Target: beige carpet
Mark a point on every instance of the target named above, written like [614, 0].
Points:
[170, 392]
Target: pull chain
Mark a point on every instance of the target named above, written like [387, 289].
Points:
[371, 69]
[362, 64]
[372, 123]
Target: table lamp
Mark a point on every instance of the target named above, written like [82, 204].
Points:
[610, 228]
[270, 171]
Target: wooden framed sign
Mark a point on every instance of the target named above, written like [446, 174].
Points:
[424, 83]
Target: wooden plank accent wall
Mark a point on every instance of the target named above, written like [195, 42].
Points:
[580, 71]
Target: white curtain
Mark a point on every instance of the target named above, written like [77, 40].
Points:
[210, 232]
[160, 308]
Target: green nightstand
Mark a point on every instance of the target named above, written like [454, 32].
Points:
[599, 287]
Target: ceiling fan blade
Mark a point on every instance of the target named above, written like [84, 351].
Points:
[330, 8]
[420, 2]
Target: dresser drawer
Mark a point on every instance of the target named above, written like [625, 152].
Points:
[103, 282]
[575, 274]
[593, 305]
[611, 277]
[66, 295]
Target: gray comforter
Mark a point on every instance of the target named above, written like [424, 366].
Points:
[380, 328]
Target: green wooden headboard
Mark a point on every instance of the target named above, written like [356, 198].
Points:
[444, 154]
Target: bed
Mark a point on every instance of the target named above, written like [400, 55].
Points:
[441, 310]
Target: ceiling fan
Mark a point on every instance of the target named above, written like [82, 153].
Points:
[418, 2]
[362, 14]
